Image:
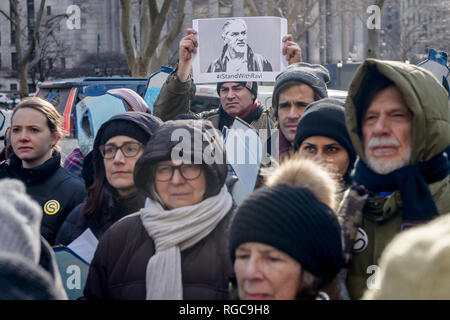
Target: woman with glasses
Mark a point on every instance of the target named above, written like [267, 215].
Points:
[36, 128]
[118, 145]
[175, 247]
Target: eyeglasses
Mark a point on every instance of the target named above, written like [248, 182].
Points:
[128, 149]
[164, 173]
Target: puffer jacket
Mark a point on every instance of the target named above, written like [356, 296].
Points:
[118, 269]
[56, 190]
[118, 207]
[379, 216]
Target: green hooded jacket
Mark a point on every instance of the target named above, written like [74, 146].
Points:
[381, 216]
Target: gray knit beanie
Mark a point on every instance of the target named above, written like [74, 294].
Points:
[20, 221]
[314, 75]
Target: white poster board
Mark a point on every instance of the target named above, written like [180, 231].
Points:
[239, 49]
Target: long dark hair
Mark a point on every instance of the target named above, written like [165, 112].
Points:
[95, 205]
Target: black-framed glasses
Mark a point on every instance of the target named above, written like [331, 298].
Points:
[128, 149]
[164, 173]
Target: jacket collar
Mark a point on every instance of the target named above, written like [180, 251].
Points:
[37, 174]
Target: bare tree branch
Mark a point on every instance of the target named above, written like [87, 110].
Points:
[153, 10]
[295, 12]
[155, 32]
[179, 23]
[8, 17]
[251, 6]
[129, 48]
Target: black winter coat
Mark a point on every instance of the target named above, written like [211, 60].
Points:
[118, 207]
[119, 265]
[54, 188]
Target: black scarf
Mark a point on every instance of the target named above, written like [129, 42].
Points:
[412, 181]
[226, 120]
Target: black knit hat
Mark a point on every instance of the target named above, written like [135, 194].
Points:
[326, 118]
[295, 222]
[252, 86]
[121, 127]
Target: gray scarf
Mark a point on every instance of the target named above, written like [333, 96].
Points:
[176, 230]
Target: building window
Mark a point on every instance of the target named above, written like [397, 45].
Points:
[63, 63]
[49, 10]
[14, 61]
[13, 87]
[13, 28]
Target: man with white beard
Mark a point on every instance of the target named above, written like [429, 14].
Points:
[398, 120]
[236, 54]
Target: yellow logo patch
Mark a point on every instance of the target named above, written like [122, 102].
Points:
[52, 207]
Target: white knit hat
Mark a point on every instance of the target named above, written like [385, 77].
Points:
[416, 264]
[20, 221]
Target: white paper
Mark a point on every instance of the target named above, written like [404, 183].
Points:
[244, 151]
[263, 39]
[85, 245]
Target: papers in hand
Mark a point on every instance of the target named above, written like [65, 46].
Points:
[85, 245]
[244, 153]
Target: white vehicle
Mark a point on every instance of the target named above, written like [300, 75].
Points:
[4, 98]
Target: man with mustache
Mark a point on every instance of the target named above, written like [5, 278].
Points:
[237, 99]
[237, 56]
[398, 120]
[295, 88]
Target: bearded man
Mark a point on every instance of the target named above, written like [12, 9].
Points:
[398, 119]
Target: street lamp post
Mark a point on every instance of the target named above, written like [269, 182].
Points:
[338, 76]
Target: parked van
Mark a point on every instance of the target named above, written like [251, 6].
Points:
[64, 94]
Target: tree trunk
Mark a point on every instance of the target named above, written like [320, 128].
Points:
[23, 81]
[130, 50]
[252, 8]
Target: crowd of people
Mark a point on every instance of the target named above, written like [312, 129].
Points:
[350, 179]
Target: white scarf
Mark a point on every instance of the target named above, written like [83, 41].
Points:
[176, 230]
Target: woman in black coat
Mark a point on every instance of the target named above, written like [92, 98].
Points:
[112, 195]
[36, 128]
[175, 247]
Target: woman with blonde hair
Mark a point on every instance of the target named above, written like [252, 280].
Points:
[36, 128]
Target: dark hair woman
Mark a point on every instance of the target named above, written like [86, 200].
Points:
[112, 195]
[174, 248]
[322, 136]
